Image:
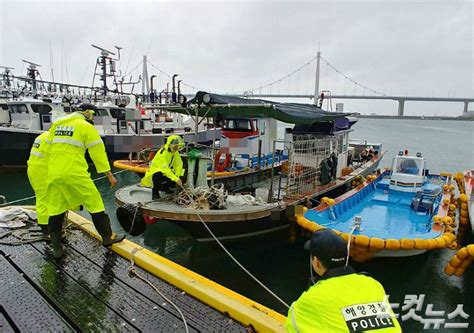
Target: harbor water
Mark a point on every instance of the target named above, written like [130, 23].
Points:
[283, 266]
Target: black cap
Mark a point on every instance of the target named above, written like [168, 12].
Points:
[328, 247]
[87, 106]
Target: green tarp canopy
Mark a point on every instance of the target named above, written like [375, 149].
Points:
[214, 105]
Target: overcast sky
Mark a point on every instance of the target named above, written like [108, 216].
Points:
[396, 47]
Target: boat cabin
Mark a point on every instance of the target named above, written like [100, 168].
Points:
[29, 114]
[332, 138]
[408, 172]
[249, 139]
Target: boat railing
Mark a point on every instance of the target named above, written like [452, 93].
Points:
[305, 159]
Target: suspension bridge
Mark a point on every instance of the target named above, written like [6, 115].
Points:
[297, 84]
[265, 90]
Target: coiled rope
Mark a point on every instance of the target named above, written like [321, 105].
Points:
[27, 235]
[203, 197]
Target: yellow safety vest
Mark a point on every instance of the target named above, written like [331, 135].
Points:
[39, 151]
[70, 137]
[166, 162]
[345, 303]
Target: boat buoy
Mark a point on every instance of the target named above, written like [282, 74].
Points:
[420, 244]
[447, 220]
[371, 178]
[392, 244]
[460, 261]
[437, 219]
[377, 243]
[407, 244]
[463, 198]
[131, 219]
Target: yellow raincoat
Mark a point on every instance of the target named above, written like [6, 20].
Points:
[166, 162]
[69, 183]
[37, 174]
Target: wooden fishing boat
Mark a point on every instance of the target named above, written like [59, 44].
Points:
[312, 160]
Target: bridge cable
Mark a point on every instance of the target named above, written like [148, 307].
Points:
[349, 78]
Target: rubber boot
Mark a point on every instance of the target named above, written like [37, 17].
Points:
[55, 231]
[102, 224]
[45, 232]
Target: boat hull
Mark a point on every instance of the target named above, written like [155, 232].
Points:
[389, 223]
[233, 230]
[15, 144]
[226, 224]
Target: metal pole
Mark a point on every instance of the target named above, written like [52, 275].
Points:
[103, 60]
[213, 154]
[270, 191]
[196, 127]
[316, 83]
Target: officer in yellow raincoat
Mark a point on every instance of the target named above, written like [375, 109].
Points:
[37, 174]
[341, 301]
[69, 183]
[166, 168]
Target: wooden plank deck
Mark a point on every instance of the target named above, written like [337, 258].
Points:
[90, 289]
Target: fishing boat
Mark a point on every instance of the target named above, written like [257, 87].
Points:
[122, 129]
[122, 123]
[312, 159]
[404, 211]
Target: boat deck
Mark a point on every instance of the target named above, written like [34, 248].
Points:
[90, 289]
[384, 213]
[135, 194]
[169, 210]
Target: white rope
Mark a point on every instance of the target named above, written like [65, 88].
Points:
[236, 261]
[200, 197]
[132, 271]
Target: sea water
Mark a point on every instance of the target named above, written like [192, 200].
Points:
[283, 265]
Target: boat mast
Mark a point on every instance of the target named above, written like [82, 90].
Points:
[103, 61]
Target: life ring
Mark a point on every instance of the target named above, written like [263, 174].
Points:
[224, 165]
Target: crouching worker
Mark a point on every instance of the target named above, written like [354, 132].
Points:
[341, 301]
[37, 175]
[166, 168]
[69, 183]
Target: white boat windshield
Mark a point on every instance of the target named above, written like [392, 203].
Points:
[407, 165]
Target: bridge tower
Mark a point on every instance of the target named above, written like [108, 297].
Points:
[316, 81]
[401, 107]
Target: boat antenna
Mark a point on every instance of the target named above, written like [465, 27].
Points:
[102, 61]
[32, 72]
[6, 75]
